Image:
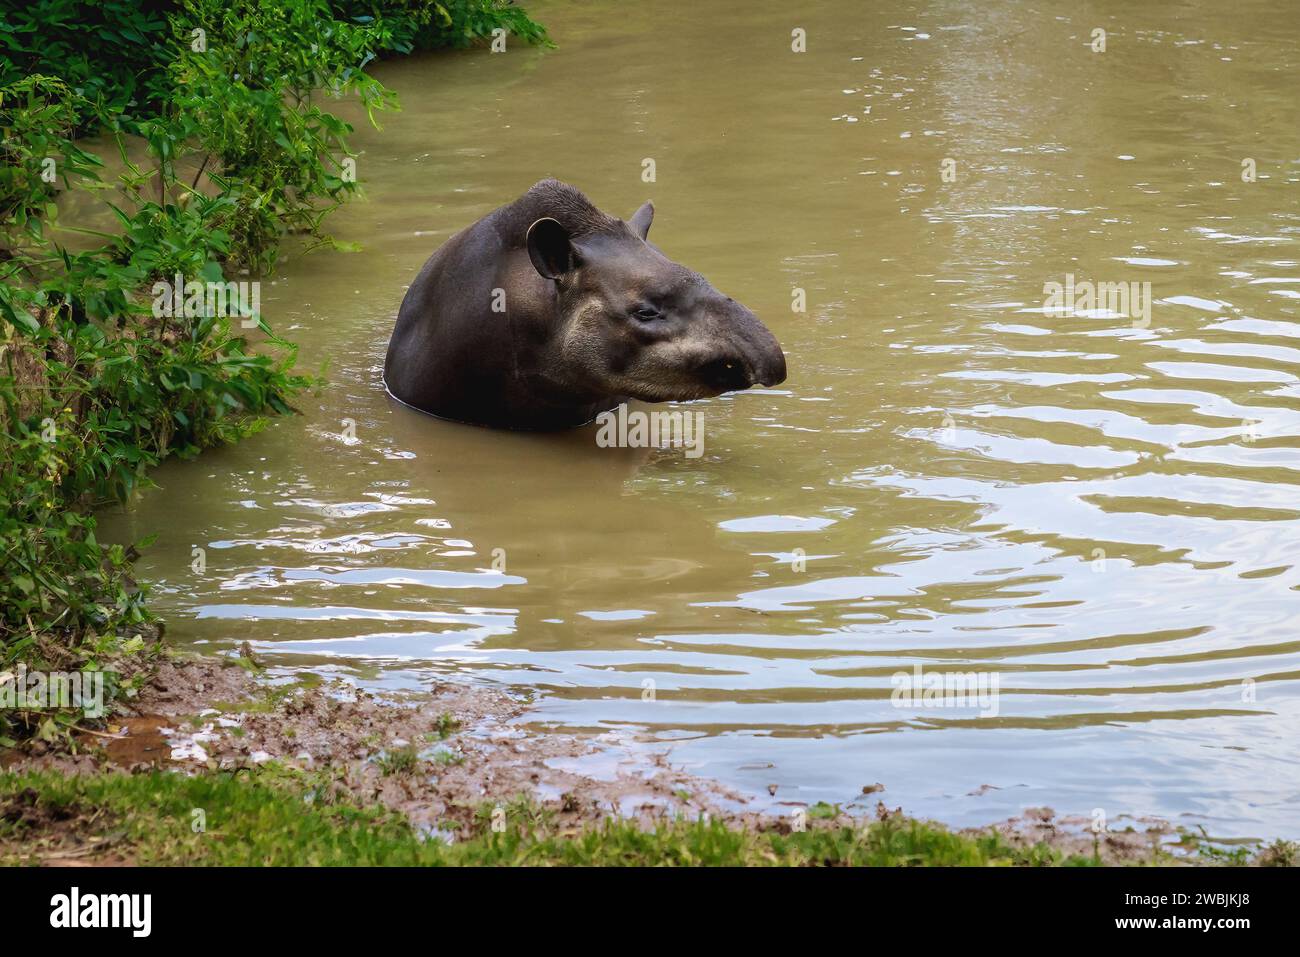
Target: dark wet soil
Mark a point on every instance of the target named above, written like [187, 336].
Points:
[437, 757]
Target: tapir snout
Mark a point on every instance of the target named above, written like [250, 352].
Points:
[747, 354]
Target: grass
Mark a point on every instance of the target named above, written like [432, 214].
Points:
[398, 761]
[275, 816]
[447, 726]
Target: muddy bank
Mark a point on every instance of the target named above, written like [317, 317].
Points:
[437, 757]
[442, 758]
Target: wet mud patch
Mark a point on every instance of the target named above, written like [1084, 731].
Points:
[441, 758]
[438, 757]
[1125, 841]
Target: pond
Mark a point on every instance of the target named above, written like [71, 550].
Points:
[1091, 506]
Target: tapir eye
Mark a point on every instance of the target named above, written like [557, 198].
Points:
[647, 313]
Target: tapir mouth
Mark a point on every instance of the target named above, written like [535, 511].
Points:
[725, 375]
[732, 374]
[754, 360]
[771, 372]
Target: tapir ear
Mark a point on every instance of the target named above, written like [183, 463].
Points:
[550, 249]
[641, 219]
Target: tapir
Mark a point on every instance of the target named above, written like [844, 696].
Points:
[548, 311]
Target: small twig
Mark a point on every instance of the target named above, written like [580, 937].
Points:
[199, 174]
[100, 734]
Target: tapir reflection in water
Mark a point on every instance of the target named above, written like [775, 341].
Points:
[547, 312]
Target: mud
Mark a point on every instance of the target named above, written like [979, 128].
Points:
[1127, 840]
[440, 757]
[437, 757]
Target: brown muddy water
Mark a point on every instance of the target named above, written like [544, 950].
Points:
[1096, 506]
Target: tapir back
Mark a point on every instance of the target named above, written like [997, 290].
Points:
[470, 318]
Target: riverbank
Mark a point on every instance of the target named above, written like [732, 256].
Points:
[223, 763]
[142, 340]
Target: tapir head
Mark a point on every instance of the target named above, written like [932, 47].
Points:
[634, 323]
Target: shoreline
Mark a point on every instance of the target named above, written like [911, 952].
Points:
[456, 763]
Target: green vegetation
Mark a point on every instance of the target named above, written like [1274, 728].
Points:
[1278, 854]
[399, 761]
[285, 818]
[213, 111]
[447, 726]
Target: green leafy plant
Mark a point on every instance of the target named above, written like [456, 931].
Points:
[246, 106]
[113, 53]
[404, 26]
[97, 385]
